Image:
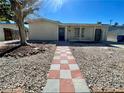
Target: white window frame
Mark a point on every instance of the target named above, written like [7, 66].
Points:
[77, 32]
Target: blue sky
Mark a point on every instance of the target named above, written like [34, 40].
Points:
[84, 11]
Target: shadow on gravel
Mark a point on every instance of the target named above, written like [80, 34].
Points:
[9, 50]
[86, 44]
[29, 73]
[14, 49]
[41, 42]
[91, 45]
[8, 46]
[12, 46]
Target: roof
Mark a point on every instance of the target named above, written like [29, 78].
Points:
[81, 24]
[11, 24]
[7, 23]
[64, 24]
[43, 19]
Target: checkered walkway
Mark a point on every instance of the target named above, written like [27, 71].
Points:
[65, 75]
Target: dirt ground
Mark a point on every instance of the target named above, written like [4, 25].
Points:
[26, 67]
[29, 50]
[101, 65]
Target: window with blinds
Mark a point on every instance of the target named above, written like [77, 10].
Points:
[77, 32]
[82, 32]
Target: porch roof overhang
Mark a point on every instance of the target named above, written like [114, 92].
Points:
[79, 25]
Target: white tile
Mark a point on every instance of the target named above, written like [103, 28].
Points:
[58, 48]
[65, 74]
[80, 86]
[57, 52]
[56, 57]
[63, 54]
[55, 67]
[70, 57]
[63, 50]
[52, 86]
[64, 61]
[68, 53]
[73, 67]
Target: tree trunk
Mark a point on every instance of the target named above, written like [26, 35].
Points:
[22, 33]
[17, 8]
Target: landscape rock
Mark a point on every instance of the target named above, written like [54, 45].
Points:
[101, 65]
[26, 68]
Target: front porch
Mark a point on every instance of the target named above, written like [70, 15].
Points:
[82, 33]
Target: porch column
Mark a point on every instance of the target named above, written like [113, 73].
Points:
[94, 33]
[80, 34]
[66, 33]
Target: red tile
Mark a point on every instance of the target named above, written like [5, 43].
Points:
[56, 61]
[54, 74]
[66, 86]
[76, 74]
[72, 61]
[64, 57]
[64, 67]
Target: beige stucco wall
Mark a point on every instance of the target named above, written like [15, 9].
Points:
[113, 33]
[89, 33]
[104, 32]
[112, 37]
[47, 30]
[43, 30]
[1, 34]
[11, 26]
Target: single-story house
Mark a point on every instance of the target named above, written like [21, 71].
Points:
[115, 33]
[45, 29]
[9, 31]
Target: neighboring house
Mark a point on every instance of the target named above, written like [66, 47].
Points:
[115, 33]
[9, 31]
[45, 29]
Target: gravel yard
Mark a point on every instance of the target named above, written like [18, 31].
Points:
[26, 68]
[4, 48]
[101, 65]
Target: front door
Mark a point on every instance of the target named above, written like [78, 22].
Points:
[98, 35]
[61, 34]
[7, 34]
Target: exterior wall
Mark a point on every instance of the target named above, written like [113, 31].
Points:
[104, 32]
[1, 34]
[48, 30]
[43, 31]
[113, 32]
[112, 37]
[89, 33]
[119, 30]
[104, 35]
[2, 26]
